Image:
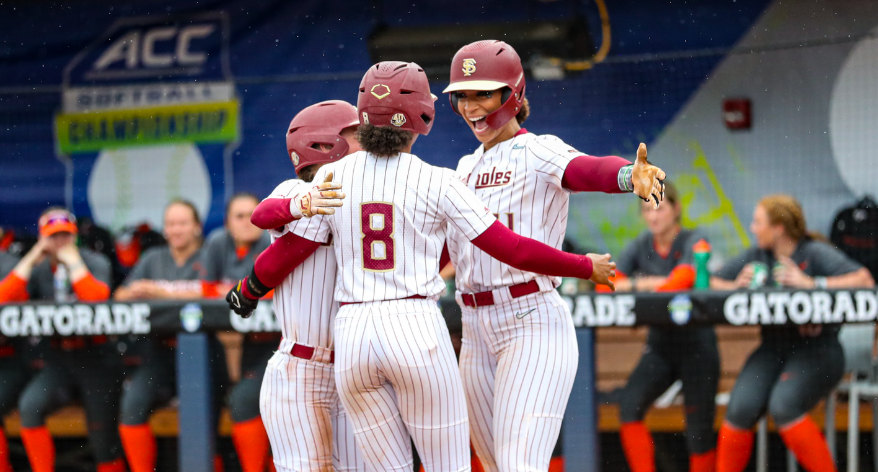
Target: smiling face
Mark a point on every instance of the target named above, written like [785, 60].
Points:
[182, 229]
[474, 106]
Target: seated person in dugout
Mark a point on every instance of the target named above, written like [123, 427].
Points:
[661, 259]
[795, 366]
[174, 271]
[87, 368]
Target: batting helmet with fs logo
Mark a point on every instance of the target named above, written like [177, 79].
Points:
[321, 123]
[489, 65]
[397, 94]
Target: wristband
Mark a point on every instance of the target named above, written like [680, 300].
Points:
[820, 282]
[255, 286]
[296, 208]
[624, 178]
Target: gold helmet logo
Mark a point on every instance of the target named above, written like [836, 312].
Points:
[469, 66]
[295, 158]
[365, 118]
[398, 120]
[378, 94]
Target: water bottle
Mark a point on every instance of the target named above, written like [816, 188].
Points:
[701, 254]
[62, 284]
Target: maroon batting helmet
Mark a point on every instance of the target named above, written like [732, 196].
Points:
[397, 94]
[489, 65]
[321, 123]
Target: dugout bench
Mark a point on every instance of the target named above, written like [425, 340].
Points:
[193, 320]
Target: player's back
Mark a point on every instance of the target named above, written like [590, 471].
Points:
[390, 232]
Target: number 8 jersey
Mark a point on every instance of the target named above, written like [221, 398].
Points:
[389, 234]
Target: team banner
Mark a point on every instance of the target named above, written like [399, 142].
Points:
[195, 123]
[769, 307]
[149, 113]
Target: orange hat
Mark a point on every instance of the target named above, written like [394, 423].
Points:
[56, 221]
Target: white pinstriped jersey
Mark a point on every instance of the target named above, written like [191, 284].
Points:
[520, 181]
[303, 301]
[390, 232]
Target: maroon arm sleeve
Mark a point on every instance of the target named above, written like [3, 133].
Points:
[281, 257]
[593, 174]
[272, 213]
[529, 255]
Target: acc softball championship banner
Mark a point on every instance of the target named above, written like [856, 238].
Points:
[141, 106]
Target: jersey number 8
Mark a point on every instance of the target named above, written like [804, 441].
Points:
[377, 227]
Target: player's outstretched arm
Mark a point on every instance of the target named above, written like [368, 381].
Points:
[321, 199]
[271, 267]
[610, 174]
[503, 244]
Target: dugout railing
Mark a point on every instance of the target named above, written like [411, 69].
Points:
[193, 320]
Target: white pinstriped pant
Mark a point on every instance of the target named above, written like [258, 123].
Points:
[306, 424]
[397, 377]
[518, 371]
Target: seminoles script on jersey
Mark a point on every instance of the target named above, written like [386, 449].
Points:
[389, 234]
[520, 181]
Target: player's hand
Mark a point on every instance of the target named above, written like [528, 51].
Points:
[323, 199]
[745, 277]
[602, 270]
[648, 180]
[239, 303]
[788, 274]
[69, 255]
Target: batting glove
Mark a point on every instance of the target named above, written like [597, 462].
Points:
[648, 180]
[240, 297]
[323, 199]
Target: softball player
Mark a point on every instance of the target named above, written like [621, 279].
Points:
[306, 424]
[395, 365]
[516, 329]
[795, 366]
[661, 259]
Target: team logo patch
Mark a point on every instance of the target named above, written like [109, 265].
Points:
[397, 120]
[365, 118]
[295, 158]
[380, 91]
[469, 66]
[680, 309]
[190, 317]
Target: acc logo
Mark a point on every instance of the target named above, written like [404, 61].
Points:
[295, 158]
[398, 120]
[190, 317]
[378, 94]
[680, 309]
[365, 118]
[469, 66]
